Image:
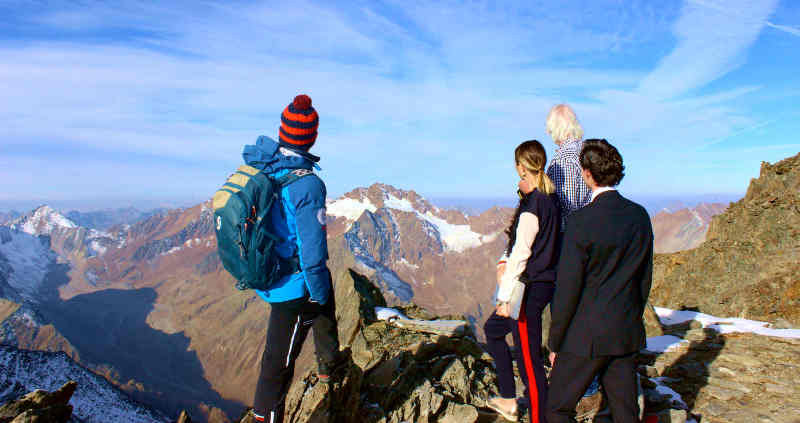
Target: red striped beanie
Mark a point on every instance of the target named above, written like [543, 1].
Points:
[299, 122]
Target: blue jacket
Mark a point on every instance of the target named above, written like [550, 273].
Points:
[299, 223]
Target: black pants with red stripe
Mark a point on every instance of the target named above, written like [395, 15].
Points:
[527, 333]
[289, 323]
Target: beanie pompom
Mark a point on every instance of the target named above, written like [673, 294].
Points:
[302, 102]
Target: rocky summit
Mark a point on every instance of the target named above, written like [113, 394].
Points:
[401, 373]
[749, 265]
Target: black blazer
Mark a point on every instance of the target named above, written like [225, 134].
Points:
[603, 281]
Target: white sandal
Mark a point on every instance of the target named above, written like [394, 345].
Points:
[511, 415]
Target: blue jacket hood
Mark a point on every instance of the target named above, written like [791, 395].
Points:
[266, 156]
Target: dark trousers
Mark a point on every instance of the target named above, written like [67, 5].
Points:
[571, 375]
[527, 333]
[289, 323]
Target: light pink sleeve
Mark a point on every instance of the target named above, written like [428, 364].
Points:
[527, 229]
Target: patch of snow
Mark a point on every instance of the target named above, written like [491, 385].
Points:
[29, 259]
[94, 233]
[455, 237]
[95, 248]
[384, 313]
[724, 325]
[393, 202]
[172, 250]
[192, 242]
[664, 343]
[407, 263]
[349, 208]
[663, 389]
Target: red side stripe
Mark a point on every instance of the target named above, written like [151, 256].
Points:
[533, 388]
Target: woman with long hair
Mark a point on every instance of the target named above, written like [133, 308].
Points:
[531, 257]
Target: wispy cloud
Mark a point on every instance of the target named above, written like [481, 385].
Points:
[743, 14]
[449, 87]
[711, 43]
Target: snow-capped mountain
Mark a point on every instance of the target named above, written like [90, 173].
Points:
[95, 400]
[415, 250]
[42, 221]
[450, 228]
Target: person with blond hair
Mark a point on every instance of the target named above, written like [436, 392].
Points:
[531, 257]
[564, 169]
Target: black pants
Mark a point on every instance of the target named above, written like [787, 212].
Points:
[571, 376]
[288, 327]
[527, 333]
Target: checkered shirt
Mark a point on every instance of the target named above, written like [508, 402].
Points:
[565, 172]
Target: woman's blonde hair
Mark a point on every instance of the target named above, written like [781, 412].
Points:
[532, 157]
[562, 124]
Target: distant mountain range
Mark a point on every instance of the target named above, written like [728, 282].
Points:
[683, 229]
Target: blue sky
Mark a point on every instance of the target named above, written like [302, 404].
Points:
[117, 102]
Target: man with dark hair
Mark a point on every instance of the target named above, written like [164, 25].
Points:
[602, 286]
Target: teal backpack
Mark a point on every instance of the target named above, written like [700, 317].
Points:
[245, 242]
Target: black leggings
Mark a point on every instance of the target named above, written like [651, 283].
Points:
[527, 333]
[288, 327]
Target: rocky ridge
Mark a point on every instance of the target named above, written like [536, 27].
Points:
[749, 265]
[91, 398]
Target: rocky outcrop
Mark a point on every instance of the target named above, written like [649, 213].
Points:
[40, 406]
[394, 374]
[399, 373]
[723, 378]
[749, 265]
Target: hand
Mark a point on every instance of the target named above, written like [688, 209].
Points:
[503, 310]
[552, 358]
[501, 268]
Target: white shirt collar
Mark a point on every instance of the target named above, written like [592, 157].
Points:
[601, 190]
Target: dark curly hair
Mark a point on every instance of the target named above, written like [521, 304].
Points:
[603, 161]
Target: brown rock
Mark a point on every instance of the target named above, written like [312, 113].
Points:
[40, 406]
[184, 417]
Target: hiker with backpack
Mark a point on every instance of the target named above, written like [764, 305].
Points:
[271, 231]
[526, 276]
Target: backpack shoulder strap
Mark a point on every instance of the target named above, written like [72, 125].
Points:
[293, 176]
